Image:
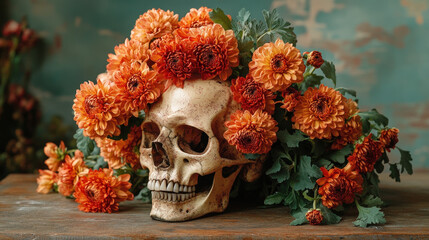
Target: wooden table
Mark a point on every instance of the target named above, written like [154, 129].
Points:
[24, 214]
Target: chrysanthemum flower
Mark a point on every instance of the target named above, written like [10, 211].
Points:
[314, 216]
[389, 138]
[46, 181]
[251, 95]
[55, 155]
[216, 50]
[196, 18]
[338, 186]
[277, 65]
[290, 99]
[352, 129]
[129, 51]
[320, 113]
[138, 86]
[118, 152]
[97, 109]
[70, 172]
[315, 59]
[251, 133]
[100, 191]
[154, 24]
[366, 155]
[174, 59]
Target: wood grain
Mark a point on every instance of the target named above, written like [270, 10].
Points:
[25, 214]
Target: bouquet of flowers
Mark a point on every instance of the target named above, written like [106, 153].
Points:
[324, 153]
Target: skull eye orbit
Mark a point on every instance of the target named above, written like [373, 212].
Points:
[150, 133]
[191, 140]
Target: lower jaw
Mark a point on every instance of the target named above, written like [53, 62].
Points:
[172, 197]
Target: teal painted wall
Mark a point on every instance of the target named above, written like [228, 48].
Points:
[379, 47]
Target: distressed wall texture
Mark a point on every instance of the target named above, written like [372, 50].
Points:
[379, 47]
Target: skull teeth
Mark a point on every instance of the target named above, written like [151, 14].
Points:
[172, 197]
[164, 186]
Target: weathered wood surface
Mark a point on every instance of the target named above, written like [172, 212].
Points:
[24, 214]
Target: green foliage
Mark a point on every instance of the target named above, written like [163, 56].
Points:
[85, 144]
[275, 198]
[277, 27]
[340, 155]
[372, 116]
[299, 217]
[394, 172]
[345, 91]
[306, 175]
[406, 161]
[368, 216]
[372, 201]
[329, 217]
[311, 80]
[251, 156]
[126, 129]
[328, 68]
[218, 16]
[291, 140]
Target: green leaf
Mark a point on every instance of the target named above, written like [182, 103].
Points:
[144, 195]
[343, 91]
[275, 198]
[328, 68]
[340, 155]
[275, 167]
[218, 16]
[394, 172]
[405, 161]
[372, 201]
[251, 156]
[304, 174]
[322, 162]
[299, 217]
[379, 166]
[281, 176]
[291, 140]
[277, 27]
[375, 116]
[126, 129]
[368, 216]
[85, 144]
[312, 80]
[329, 217]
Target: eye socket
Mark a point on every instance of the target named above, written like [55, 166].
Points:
[191, 140]
[150, 133]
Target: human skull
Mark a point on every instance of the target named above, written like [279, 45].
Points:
[191, 166]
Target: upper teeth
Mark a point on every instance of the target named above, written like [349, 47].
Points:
[157, 185]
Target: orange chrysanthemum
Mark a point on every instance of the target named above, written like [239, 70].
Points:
[338, 186]
[174, 59]
[215, 50]
[251, 95]
[100, 191]
[352, 129]
[154, 24]
[314, 216]
[320, 113]
[251, 133]
[127, 52]
[55, 155]
[277, 65]
[389, 138]
[97, 109]
[119, 152]
[315, 59]
[196, 18]
[46, 181]
[290, 99]
[70, 172]
[366, 155]
[138, 86]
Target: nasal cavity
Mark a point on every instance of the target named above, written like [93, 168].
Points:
[159, 155]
